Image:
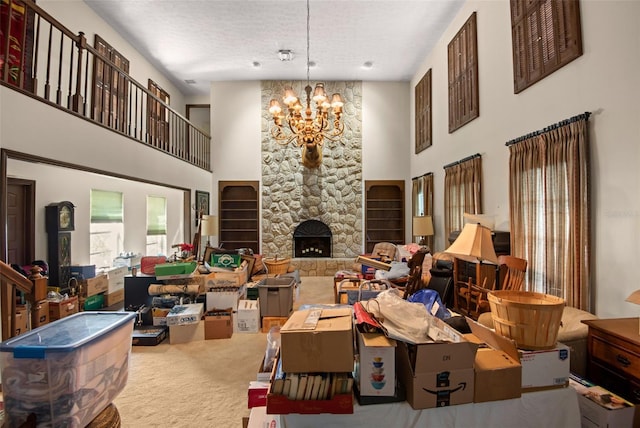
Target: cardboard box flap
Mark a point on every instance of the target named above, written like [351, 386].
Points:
[377, 340]
[494, 340]
[318, 320]
[440, 331]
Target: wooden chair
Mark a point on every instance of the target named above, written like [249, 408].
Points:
[414, 280]
[512, 272]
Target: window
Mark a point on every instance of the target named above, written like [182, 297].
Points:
[422, 192]
[110, 87]
[462, 184]
[158, 117]
[156, 226]
[423, 112]
[463, 76]
[106, 239]
[545, 36]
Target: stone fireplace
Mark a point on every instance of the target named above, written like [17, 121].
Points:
[331, 194]
[312, 238]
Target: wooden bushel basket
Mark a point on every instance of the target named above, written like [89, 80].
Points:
[276, 266]
[531, 319]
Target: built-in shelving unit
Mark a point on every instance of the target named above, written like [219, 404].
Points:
[239, 221]
[384, 213]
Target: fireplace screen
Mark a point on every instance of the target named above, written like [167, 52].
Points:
[312, 238]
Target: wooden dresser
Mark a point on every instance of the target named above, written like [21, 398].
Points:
[614, 356]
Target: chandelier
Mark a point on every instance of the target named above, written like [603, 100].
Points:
[303, 127]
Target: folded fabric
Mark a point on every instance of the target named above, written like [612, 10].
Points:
[398, 270]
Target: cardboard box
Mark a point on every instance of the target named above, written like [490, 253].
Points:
[185, 314]
[22, 320]
[227, 278]
[159, 316]
[376, 364]
[40, 313]
[247, 318]
[262, 375]
[64, 308]
[545, 369]
[92, 303]
[116, 278]
[318, 340]
[600, 408]
[257, 394]
[83, 272]
[269, 322]
[438, 373]
[93, 286]
[218, 325]
[175, 270]
[276, 296]
[498, 372]
[222, 298]
[186, 333]
[114, 297]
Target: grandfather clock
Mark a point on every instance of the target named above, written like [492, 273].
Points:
[59, 224]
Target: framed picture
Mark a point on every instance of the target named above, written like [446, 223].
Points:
[202, 203]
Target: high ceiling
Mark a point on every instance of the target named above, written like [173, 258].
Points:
[221, 40]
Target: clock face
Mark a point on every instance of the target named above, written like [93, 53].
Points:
[65, 217]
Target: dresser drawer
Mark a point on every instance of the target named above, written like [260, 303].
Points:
[615, 355]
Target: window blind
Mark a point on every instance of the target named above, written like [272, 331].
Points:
[156, 215]
[106, 206]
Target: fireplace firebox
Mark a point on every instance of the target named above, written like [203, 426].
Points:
[312, 238]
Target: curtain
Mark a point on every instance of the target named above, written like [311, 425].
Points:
[462, 192]
[549, 210]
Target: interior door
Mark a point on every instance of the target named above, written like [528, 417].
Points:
[20, 221]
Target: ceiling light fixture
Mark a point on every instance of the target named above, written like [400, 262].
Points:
[305, 129]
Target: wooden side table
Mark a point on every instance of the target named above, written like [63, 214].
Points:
[614, 355]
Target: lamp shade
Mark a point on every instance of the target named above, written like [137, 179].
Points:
[474, 243]
[422, 226]
[209, 225]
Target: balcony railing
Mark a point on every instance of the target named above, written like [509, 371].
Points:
[43, 59]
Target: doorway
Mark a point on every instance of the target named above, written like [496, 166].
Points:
[21, 196]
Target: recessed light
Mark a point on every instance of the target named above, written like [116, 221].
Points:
[367, 65]
[256, 64]
[285, 54]
[312, 64]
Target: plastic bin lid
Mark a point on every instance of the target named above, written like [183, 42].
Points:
[282, 281]
[66, 334]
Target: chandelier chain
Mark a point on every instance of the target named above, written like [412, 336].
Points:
[308, 26]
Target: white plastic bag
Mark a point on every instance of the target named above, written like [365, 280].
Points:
[402, 320]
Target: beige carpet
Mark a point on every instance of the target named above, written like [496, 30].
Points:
[202, 383]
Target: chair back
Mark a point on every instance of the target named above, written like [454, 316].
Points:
[442, 281]
[386, 251]
[512, 272]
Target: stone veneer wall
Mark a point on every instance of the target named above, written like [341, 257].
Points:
[332, 193]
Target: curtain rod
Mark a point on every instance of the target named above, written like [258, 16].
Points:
[423, 175]
[584, 116]
[468, 158]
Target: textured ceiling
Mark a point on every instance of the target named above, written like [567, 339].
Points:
[216, 40]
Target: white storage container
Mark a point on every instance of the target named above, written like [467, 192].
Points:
[68, 371]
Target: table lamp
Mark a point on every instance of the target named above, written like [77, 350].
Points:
[474, 244]
[209, 227]
[634, 298]
[422, 227]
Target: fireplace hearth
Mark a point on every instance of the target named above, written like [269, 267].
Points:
[312, 238]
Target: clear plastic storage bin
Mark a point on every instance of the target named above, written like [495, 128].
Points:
[68, 371]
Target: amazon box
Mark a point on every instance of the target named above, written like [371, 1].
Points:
[498, 372]
[318, 340]
[440, 372]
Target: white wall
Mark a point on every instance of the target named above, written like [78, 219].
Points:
[602, 81]
[76, 186]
